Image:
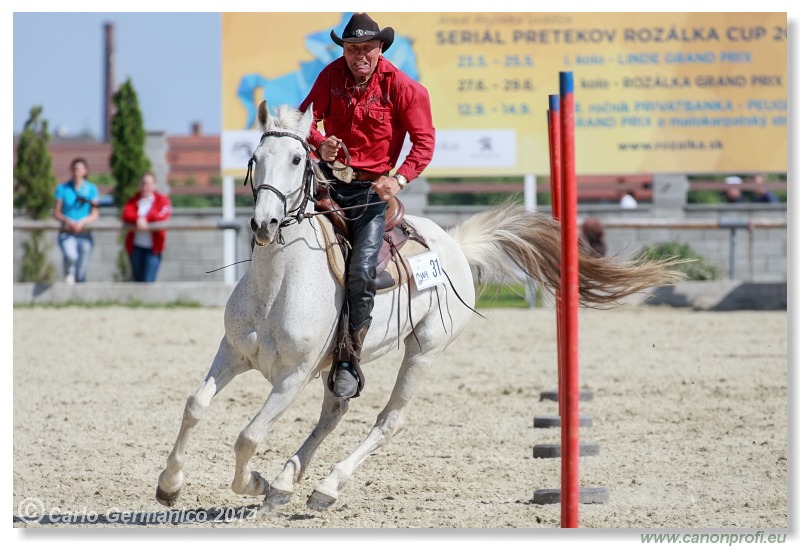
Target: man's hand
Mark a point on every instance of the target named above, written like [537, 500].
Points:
[329, 149]
[141, 224]
[386, 187]
[74, 227]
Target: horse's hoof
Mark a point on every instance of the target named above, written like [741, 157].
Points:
[166, 499]
[276, 497]
[319, 501]
[256, 488]
[262, 485]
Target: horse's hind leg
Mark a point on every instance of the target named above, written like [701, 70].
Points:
[226, 365]
[389, 421]
[282, 488]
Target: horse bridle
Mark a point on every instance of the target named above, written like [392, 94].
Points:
[296, 215]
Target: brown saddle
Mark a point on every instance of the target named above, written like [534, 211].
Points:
[397, 231]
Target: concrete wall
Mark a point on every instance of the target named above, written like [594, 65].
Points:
[191, 253]
[769, 245]
[188, 254]
[762, 259]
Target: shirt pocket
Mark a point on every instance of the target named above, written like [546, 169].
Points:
[379, 122]
[338, 118]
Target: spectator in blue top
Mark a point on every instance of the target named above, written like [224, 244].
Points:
[76, 208]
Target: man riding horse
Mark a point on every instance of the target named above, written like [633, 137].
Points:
[367, 105]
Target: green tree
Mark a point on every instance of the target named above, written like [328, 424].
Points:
[34, 186]
[34, 182]
[36, 265]
[128, 160]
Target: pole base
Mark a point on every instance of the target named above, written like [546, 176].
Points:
[554, 421]
[584, 395]
[553, 450]
[589, 495]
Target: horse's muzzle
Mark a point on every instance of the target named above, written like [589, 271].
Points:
[264, 232]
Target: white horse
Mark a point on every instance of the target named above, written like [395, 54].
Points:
[282, 315]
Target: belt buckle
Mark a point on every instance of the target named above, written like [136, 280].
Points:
[341, 172]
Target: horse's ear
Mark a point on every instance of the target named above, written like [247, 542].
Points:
[304, 126]
[263, 115]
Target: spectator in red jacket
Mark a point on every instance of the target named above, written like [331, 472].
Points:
[145, 245]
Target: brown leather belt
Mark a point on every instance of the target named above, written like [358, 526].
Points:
[363, 175]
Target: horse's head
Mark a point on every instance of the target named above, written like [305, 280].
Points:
[281, 171]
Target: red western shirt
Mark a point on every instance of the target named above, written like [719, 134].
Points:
[373, 123]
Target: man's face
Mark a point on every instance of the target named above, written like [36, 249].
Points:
[362, 58]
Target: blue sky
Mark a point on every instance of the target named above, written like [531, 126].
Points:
[172, 59]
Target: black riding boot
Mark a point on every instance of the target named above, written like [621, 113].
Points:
[348, 380]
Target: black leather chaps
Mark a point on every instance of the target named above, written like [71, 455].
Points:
[366, 227]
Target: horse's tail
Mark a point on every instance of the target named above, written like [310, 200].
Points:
[532, 241]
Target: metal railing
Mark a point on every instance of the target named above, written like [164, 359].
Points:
[116, 225]
[733, 225]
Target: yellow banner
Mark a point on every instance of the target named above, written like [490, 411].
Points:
[654, 92]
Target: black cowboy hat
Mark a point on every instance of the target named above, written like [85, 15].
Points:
[362, 28]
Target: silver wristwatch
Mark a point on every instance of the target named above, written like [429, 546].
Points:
[401, 180]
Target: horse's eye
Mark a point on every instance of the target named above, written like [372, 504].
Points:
[296, 160]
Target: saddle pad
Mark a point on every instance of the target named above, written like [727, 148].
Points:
[397, 268]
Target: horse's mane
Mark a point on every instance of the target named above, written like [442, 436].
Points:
[286, 118]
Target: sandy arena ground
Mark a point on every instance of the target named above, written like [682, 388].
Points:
[689, 411]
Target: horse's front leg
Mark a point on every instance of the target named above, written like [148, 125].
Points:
[282, 488]
[284, 391]
[390, 420]
[226, 365]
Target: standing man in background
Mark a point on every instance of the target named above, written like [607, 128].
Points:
[762, 193]
[76, 209]
[733, 193]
